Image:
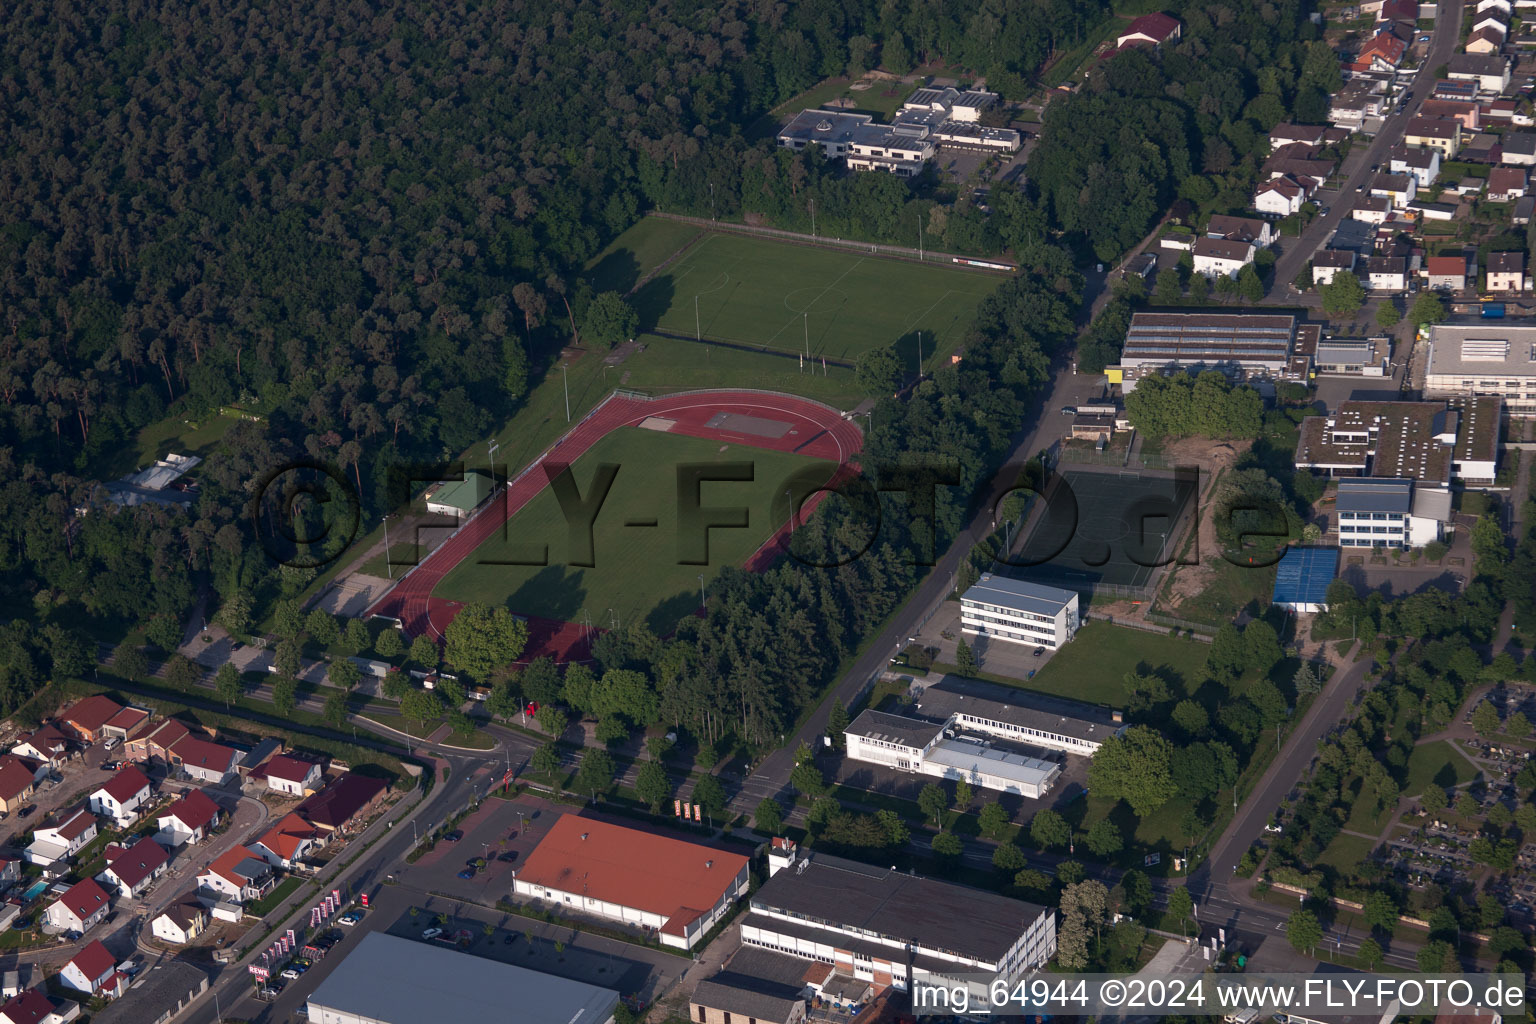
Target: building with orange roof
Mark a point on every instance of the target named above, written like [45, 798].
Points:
[238, 874]
[671, 888]
[289, 841]
[86, 717]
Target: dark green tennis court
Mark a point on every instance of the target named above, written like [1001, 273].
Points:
[1109, 527]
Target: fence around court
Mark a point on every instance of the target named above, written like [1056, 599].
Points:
[1082, 457]
[1155, 626]
[995, 265]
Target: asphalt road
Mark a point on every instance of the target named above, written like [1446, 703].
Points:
[1441, 46]
[771, 777]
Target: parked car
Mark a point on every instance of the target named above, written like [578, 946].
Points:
[511, 938]
[431, 933]
[467, 873]
[508, 857]
[1039, 651]
[473, 862]
[350, 918]
[291, 973]
[26, 811]
[452, 837]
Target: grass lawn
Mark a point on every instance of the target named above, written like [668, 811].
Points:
[265, 905]
[788, 298]
[1094, 665]
[403, 554]
[636, 253]
[636, 573]
[669, 364]
[477, 740]
[1436, 762]
[881, 98]
[1065, 69]
[174, 434]
[1365, 816]
[1228, 592]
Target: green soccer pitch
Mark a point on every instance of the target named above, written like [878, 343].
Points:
[795, 298]
[636, 573]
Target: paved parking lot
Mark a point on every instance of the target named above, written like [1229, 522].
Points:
[631, 970]
[498, 827]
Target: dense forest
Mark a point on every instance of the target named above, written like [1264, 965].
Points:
[366, 225]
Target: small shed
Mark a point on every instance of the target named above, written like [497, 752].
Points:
[458, 498]
[1303, 576]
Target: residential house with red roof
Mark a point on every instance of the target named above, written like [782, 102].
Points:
[1150, 30]
[63, 837]
[155, 743]
[288, 842]
[188, 820]
[1280, 197]
[238, 874]
[126, 723]
[670, 886]
[1506, 184]
[46, 743]
[205, 761]
[342, 805]
[1399, 10]
[80, 909]
[132, 869]
[1384, 52]
[86, 717]
[94, 971]
[122, 796]
[294, 776]
[33, 1006]
[1447, 273]
[18, 780]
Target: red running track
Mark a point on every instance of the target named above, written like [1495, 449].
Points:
[815, 430]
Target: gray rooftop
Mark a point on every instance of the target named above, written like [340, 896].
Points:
[1375, 495]
[911, 732]
[157, 995]
[1020, 595]
[1483, 348]
[843, 893]
[1432, 503]
[1016, 707]
[756, 983]
[401, 981]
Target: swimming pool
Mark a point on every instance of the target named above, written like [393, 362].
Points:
[36, 888]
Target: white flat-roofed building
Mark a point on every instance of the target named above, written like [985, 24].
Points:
[1484, 357]
[922, 747]
[1358, 357]
[1019, 611]
[891, 929]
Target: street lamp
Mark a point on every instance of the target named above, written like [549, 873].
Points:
[388, 565]
[702, 602]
